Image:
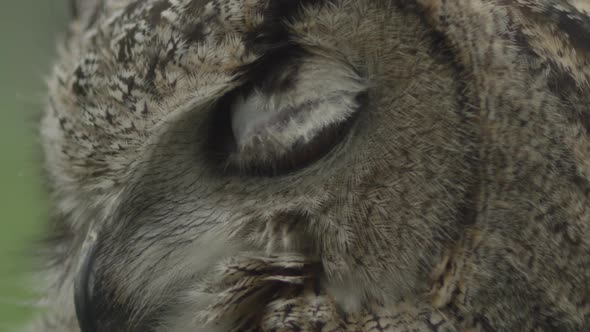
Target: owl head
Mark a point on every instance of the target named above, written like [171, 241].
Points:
[182, 133]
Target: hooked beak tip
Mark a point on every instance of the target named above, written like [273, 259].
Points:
[83, 285]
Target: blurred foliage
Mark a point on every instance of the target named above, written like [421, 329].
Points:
[29, 30]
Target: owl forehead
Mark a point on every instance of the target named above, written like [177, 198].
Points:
[147, 47]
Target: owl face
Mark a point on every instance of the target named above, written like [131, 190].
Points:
[331, 165]
[183, 134]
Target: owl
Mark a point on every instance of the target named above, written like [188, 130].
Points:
[319, 165]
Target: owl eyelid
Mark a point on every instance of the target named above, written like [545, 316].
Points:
[277, 131]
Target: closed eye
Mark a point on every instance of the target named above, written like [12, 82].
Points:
[278, 128]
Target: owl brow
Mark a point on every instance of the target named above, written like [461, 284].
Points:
[82, 283]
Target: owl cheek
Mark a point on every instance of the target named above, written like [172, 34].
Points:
[290, 127]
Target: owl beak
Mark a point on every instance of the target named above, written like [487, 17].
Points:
[83, 286]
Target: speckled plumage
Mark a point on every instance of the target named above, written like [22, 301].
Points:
[456, 200]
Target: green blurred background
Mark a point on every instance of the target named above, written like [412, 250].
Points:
[28, 33]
